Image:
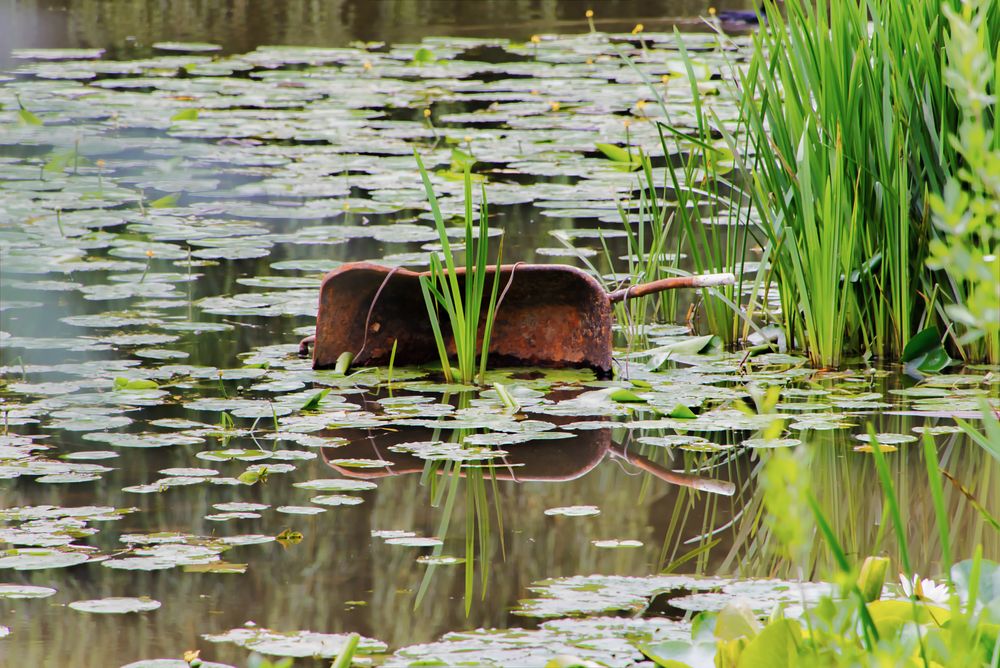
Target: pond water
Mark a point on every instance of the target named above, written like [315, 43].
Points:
[165, 220]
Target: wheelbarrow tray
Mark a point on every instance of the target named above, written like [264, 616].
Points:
[550, 315]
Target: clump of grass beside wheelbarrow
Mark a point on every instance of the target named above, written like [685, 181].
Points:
[513, 315]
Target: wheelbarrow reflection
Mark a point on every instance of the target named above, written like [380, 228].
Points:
[540, 461]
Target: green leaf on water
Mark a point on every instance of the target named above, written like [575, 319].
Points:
[344, 363]
[509, 402]
[185, 115]
[251, 477]
[28, 118]
[622, 395]
[313, 402]
[460, 160]
[694, 345]
[422, 56]
[682, 412]
[122, 383]
[165, 202]
[616, 153]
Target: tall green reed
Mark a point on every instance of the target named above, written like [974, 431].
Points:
[851, 123]
[696, 207]
[470, 324]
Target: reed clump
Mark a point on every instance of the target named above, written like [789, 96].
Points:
[855, 115]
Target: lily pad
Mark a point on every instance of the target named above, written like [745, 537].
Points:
[116, 605]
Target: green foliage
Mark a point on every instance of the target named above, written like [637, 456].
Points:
[786, 505]
[851, 124]
[955, 623]
[313, 402]
[346, 655]
[622, 156]
[470, 311]
[126, 384]
[25, 116]
[967, 211]
[422, 56]
[185, 115]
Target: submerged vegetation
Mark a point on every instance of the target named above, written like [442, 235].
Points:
[722, 501]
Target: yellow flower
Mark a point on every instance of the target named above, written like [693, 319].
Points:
[640, 105]
[637, 29]
[150, 253]
[367, 64]
[711, 11]
[535, 39]
[427, 113]
[589, 13]
[554, 106]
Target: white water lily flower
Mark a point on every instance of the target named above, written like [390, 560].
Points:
[925, 590]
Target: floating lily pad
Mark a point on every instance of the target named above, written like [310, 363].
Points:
[40, 559]
[574, 511]
[116, 605]
[336, 500]
[294, 643]
[25, 591]
[615, 543]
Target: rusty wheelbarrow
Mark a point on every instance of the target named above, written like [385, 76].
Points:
[549, 315]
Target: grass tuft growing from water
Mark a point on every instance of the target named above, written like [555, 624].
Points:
[470, 318]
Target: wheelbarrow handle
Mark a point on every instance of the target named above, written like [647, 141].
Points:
[699, 281]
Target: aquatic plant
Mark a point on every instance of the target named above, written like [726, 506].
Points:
[469, 318]
[851, 125]
[707, 218]
[924, 622]
[967, 211]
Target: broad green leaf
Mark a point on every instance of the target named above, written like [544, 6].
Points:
[313, 402]
[736, 621]
[622, 395]
[28, 118]
[680, 654]
[923, 342]
[344, 363]
[135, 384]
[934, 361]
[891, 615]
[460, 160]
[165, 202]
[682, 412]
[616, 153]
[185, 115]
[776, 646]
[422, 56]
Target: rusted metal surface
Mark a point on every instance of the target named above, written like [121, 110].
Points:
[550, 316]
